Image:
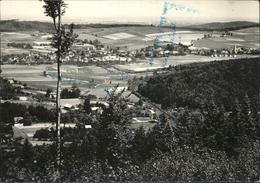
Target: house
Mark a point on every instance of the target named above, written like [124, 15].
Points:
[175, 52]
[71, 104]
[166, 52]
[129, 59]
[22, 98]
[122, 53]
[152, 114]
[122, 59]
[42, 43]
[11, 81]
[95, 103]
[18, 119]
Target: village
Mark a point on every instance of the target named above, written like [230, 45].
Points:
[91, 52]
[26, 126]
[86, 52]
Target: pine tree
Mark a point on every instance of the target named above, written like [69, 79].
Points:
[112, 130]
[182, 131]
[87, 106]
[168, 138]
[139, 149]
[27, 153]
[247, 117]
[235, 134]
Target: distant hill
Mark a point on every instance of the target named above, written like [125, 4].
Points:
[15, 25]
[222, 26]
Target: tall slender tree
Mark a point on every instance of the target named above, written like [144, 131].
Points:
[61, 41]
[0, 55]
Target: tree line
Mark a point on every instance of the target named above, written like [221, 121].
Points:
[206, 144]
[193, 85]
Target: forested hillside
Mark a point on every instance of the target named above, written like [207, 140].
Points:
[222, 26]
[194, 85]
[15, 25]
[208, 143]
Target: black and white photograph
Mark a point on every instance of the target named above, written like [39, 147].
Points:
[129, 91]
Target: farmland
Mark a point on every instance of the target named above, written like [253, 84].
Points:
[95, 79]
[92, 79]
[172, 60]
[20, 37]
[248, 38]
[136, 37]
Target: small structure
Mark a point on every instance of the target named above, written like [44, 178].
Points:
[22, 98]
[70, 104]
[17, 119]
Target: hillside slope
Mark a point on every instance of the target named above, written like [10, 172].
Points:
[223, 26]
[193, 85]
[14, 25]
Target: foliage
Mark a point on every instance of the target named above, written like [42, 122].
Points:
[87, 106]
[27, 119]
[213, 128]
[7, 90]
[48, 92]
[111, 151]
[42, 113]
[20, 45]
[74, 92]
[15, 25]
[10, 110]
[196, 84]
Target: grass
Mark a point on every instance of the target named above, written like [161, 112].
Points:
[245, 37]
[33, 76]
[109, 36]
[19, 37]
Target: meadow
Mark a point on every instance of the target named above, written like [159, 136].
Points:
[172, 60]
[92, 79]
[20, 37]
[248, 38]
[136, 37]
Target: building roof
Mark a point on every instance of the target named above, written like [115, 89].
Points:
[71, 102]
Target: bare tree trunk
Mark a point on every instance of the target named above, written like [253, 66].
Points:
[58, 107]
[0, 54]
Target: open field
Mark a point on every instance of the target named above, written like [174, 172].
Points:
[136, 37]
[93, 79]
[244, 37]
[20, 37]
[172, 60]
[87, 78]
[131, 38]
[120, 35]
[29, 131]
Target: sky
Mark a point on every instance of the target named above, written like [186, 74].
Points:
[136, 11]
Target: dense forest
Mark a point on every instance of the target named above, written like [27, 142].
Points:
[223, 26]
[213, 140]
[15, 25]
[194, 85]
